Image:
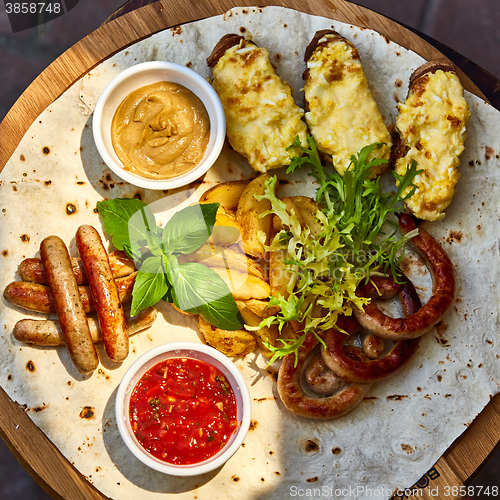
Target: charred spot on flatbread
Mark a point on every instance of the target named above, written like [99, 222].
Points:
[87, 412]
[70, 208]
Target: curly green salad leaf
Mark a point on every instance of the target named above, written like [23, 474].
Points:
[358, 237]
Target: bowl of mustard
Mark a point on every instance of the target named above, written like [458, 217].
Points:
[159, 125]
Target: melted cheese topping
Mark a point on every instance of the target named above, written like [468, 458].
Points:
[432, 126]
[343, 116]
[262, 117]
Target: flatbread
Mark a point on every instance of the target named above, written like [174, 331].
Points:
[405, 424]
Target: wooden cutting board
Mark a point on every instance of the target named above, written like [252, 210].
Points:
[35, 452]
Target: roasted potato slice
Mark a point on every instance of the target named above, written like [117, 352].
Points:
[252, 225]
[229, 342]
[227, 194]
[217, 256]
[263, 334]
[306, 210]
[226, 231]
[244, 286]
[279, 275]
[260, 308]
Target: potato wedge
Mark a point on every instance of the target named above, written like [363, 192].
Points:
[279, 275]
[227, 194]
[229, 342]
[248, 217]
[218, 256]
[266, 334]
[260, 308]
[244, 286]
[226, 230]
[306, 209]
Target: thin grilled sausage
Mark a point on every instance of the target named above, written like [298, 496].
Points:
[104, 292]
[347, 396]
[67, 302]
[337, 357]
[371, 318]
[38, 298]
[47, 333]
[32, 269]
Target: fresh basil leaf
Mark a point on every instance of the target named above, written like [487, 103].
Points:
[198, 289]
[150, 285]
[168, 297]
[130, 224]
[189, 228]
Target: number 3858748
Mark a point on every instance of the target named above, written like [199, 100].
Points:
[33, 7]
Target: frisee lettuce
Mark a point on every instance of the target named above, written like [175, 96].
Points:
[358, 237]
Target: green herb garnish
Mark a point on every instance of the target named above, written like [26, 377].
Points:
[222, 383]
[192, 287]
[154, 403]
[352, 244]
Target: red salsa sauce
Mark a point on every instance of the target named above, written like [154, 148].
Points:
[183, 411]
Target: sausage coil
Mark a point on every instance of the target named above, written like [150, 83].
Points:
[339, 360]
[371, 318]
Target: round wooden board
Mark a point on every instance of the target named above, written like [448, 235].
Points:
[36, 453]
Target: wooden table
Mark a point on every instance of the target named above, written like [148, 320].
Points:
[33, 450]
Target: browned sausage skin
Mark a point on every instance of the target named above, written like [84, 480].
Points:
[371, 318]
[104, 292]
[338, 358]
[320, 379]
[67, 302]
[47, 333]
[38, 298]
[297, 401]
[33, 270]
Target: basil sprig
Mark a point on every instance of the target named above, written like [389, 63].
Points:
[191, 286]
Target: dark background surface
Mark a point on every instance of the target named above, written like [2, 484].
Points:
[471, 27]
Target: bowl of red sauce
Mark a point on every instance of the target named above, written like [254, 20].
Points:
[183, 408]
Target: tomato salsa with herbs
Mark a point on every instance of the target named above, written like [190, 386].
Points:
[183, 411]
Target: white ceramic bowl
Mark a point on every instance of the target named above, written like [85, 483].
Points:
[145, 74]
[190, 350]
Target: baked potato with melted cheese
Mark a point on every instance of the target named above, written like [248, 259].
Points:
[341, 112]
[262, 117]
[431, 131]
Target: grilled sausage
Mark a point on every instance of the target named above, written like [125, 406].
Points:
[38, 298]
[47, 333]
[68, 304]
[320, 379]
[32, 269]
[339, 358]
[104, 292]
[371, 318]
[297, 401]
